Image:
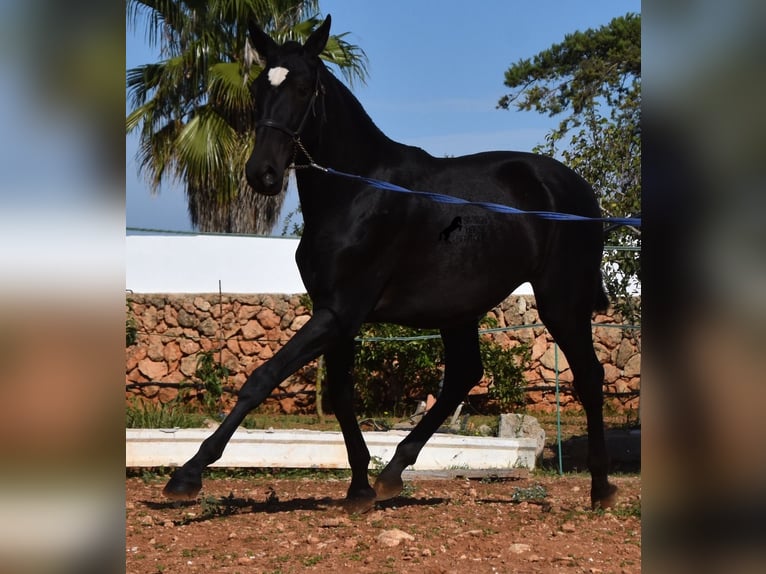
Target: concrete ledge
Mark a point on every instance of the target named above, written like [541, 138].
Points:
[321, 449]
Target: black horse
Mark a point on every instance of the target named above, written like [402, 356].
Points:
[368, 255]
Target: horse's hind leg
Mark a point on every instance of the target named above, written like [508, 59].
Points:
[462, 370]
[339, 361]
[569, 322]
[308, 343]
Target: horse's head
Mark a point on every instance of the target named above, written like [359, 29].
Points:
[285, 95]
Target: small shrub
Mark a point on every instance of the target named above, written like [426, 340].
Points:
[391, 373]
[212, 375]
[505, 369]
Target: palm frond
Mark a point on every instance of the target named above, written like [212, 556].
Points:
[157, 153]
[350, 59]
[228, 87]
[205, 146]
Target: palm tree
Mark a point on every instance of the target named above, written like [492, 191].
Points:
[192, 108]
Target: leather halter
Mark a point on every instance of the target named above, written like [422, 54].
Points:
[310, 108]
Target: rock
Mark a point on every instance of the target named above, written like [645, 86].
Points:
[485, 430]
[526, 335]
[171, 316]
[522, 305]
[188, 346]
[133, 356]
[149, 319]
[393, 537]
[548, 359]
[230, 329]
[531, 318]
[208, 327]
[189, 365]
[201, 304]
[174, 377]
[249, 347]
[633, 366]
[621, 386]
[603, 354]
[172, 352]
[287, 319]
[299, 322]
[608, 336]
[247, 312]
[229, 360]
[335, 522]
[624, 352]
[287, 404]
[522, 426]
[611, 373]
[519, 548]
[186, 319]
[233, 346]
[268, 319]
[539, 347]
[511, 318]
[252, 330]
[266, 353]
[566, 376]
[154, 370]
[155, 348]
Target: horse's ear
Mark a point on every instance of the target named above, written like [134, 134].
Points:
[318, 39]
[262, 42]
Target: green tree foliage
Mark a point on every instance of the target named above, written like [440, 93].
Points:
[192, 109]
[592, 80]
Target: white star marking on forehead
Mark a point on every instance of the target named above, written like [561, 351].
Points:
[277, 75]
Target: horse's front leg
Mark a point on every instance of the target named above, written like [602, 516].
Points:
[319, 333]
[340, 361]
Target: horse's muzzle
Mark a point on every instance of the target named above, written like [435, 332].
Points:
[265, 181]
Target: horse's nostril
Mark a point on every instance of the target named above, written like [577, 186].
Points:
[269, 178]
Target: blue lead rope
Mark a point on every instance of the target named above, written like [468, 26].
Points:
[496, 207]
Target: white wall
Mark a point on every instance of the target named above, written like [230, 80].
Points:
[195, 263]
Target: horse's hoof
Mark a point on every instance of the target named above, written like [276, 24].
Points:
[606, 499]
[387, 488]
[181, 489]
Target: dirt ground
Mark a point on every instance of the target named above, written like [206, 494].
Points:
[262, 523]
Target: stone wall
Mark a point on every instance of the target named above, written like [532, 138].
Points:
[243, 331]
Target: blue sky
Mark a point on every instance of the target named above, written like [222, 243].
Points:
[435, 77]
